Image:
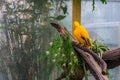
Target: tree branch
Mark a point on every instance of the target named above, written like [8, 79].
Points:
[95, 56]
[91, 64]
[112, 57]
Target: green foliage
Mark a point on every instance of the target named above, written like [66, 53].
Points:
[99, 48]
[60, 17]
[93, 3]
[104, 1]
[64, 9]
[61, 11]
[62, 54]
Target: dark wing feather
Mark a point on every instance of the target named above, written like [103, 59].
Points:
[87, 41]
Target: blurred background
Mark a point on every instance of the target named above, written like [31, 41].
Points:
[25, 34]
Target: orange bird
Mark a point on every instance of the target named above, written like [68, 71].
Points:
[81, 35]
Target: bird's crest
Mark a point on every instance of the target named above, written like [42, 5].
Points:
[76, 23]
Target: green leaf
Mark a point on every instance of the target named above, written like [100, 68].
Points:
[51, 17]
[104, 1]
[93, 5]
[64, 8]
[60, 17]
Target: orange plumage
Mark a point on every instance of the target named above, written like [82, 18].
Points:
[81, 35]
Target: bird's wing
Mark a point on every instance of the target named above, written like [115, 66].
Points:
[87, 41]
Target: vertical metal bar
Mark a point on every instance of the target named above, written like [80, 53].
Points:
[76, 12]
